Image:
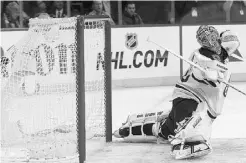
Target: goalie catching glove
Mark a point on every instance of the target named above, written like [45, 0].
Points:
[229, 41]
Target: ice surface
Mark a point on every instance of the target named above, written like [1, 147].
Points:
[228, 135]
[224, 151]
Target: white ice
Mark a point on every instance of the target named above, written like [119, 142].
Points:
[228, 135]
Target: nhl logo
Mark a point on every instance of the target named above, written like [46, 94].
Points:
[131, 40]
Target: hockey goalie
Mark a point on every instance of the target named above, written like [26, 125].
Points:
[196, 101]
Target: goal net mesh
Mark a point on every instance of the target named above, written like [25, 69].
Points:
[38, 91]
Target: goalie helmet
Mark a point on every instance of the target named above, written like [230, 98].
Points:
[208, 37]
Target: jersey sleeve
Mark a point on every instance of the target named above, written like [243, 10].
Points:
[214, 70]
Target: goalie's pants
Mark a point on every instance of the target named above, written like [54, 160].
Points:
[181, 108]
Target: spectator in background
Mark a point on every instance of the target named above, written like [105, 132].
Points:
[59, 11]
[11, 17]
[236, 10]
[41, 9]
[75, 12]
[195, 12]
[98, 9]
[2, 16]
[130, 17]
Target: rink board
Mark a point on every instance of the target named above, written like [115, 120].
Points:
[145, 64]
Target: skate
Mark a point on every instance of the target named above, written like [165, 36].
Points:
[191, 150]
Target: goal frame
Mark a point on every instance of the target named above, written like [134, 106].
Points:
[80, 81]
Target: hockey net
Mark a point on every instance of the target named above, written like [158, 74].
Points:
[39, 91]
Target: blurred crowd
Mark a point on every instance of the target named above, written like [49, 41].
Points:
[16, 14]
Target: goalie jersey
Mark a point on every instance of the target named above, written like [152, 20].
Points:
[204, 87]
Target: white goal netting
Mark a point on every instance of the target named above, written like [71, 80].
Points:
[38, 91]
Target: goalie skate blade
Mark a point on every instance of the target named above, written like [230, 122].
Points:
[181, 156]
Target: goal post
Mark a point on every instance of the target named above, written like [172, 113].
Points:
[81, 92]
[81, 84]
[57, 91]
[108, 81]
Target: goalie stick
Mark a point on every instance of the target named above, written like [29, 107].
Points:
[195, 65]
[237, 57]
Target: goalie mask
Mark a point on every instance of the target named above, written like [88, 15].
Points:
[208, 37]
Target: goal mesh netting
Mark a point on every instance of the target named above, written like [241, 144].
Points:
[39, 91]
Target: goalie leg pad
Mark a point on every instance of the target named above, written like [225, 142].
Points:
[196, 128]
[192, 135]
[139, 127]
[181, 109]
